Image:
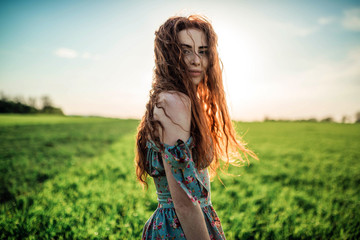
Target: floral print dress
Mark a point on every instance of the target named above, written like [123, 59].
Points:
[164, 224]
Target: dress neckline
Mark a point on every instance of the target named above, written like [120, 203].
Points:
[188, 142]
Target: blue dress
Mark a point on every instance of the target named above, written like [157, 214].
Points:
[164, 223]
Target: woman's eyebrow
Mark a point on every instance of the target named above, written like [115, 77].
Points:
[188, 46]
[185, 45]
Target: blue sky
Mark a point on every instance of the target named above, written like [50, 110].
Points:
[282, 59]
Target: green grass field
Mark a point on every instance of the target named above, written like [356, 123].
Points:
[74, 178]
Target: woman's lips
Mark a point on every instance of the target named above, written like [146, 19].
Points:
[195, 73]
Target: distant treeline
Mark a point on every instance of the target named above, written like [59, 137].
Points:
[19, 105]
[344, 119]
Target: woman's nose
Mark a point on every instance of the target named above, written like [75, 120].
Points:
[196, 59]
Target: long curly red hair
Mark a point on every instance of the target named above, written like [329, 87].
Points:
[211, 127]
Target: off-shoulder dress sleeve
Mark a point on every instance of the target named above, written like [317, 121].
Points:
[182, 165]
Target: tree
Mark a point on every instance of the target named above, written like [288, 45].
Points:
[327, 119]
[357, 117]
[32, 102]
[46, 101]
[18, 105]
[344, 119]
[19, 99]
[267, 119]
[52, 110]
[15, 107]
[3, 96]
[312, 120]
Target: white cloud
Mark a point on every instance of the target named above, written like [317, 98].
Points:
[354, 54]
[66, 53]
[303, 32]
[351, 20]
[293, 29]
[325, 20]
[87, 55]
[70, 53]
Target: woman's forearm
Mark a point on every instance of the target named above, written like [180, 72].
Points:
[190, 216]
[192, 222]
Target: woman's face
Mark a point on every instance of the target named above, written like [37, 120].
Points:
[194, 46]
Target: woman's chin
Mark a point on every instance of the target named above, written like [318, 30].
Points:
[196, 81]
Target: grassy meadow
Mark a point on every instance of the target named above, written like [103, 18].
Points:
[74, 178]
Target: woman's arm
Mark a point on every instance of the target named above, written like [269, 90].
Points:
[178, 108]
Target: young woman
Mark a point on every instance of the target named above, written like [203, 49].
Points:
[186, 129]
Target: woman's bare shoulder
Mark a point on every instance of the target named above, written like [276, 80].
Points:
[177, 106]
[174, 99]
[174, 113]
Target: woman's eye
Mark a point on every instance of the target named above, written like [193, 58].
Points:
[186, 51]
[204, 52]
